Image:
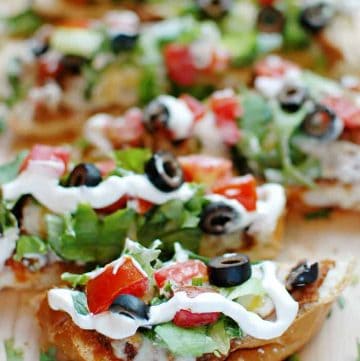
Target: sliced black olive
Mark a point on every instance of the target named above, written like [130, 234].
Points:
[123, 42]
[215, 8]
[315, 17]
[39, 48]
[18, 208]
[229, 270]
[130, 306]
[322, 123]
[72, 64]
[156, 116]
[84, 174]
[270, 20]
[164, 171]
[219, 218]
[292, 98]
[302, 275]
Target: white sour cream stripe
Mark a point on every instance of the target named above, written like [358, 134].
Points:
[117, 326]
[42, 183]
[269, 208]
[181, 119]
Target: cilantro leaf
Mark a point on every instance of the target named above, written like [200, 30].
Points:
[12, 353]
[80, 303]
[10, 170]
[87, 237]
[29, 244]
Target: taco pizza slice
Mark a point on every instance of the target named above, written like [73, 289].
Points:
[190, 309]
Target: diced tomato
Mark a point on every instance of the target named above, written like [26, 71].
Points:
[186, 319]
[226, 105]
[220, 61]
[273, 66]
[345, 109]
[112, 208]
[143, 206]
[229, 131]
[179, 64]
[227, 109]
[266, 2]
[46, 152]
[106, 166]
[48, 68]
[243, 189]
[194, 105]
[205, 169]
[181, 273]
[102, 290]
[127, 130]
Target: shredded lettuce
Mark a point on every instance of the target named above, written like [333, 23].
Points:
[252, 287]
[23, 24]
[75, 279]
[29, 245]
[186, 341]
[87, 237]
[132, 159]
[146, 257]
[197, 341]
[250, 294]
[174, 221]
[266, 142]
[7, 219]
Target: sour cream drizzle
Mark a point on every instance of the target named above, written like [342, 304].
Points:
[181, 119]
[117, 326]
[269, 208]
[42, 183]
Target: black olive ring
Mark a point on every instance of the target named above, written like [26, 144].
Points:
[164, 172]
[229, 270]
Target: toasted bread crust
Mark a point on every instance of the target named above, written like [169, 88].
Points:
[86, 345]
[16, 276]
[256, 249]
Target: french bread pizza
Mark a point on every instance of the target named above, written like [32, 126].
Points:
[190, 309]
[59, 213]
[292, 126]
